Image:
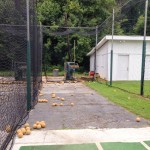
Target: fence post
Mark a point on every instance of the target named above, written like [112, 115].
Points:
[41, 49]
[144, 51]
[111, 54]
[28, 59]
[95, 60]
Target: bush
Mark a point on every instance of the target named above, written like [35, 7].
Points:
[51, 68]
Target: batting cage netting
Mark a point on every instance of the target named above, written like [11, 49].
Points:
[13, 65]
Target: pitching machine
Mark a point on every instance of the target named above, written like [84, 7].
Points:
[70, 68]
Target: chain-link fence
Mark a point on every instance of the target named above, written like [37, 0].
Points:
[60, 40]
[13, 65]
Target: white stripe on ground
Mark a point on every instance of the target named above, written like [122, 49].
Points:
[145, 145]
[99, 146]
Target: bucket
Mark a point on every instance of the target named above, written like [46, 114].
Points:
[91, 73]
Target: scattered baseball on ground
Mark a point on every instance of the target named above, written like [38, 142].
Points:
[53, 104]
[23, 130]
[19, 130]
[38, 126]
[43, 121]
[20, 135]
[26, 125]
[43, 101]
[53, 95]
[129, 97]
[34, 126]
[43, 124]
[62, 99]
[8, 128]
[56, 104]
[28, 132]
[61, 104]
[58, 98]
[28, 128]
[72, 104]
[37, 122]
[138, 119]
[114, 90]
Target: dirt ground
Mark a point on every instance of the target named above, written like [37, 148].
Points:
[90, 110]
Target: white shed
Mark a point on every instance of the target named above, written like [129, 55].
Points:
[127, 58]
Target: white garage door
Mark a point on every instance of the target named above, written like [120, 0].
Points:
[123, 67]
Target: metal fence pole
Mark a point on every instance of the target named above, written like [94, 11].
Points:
[41, 49]
[28, 59]
[144, 51]
[74, 51]
[95, 49]
[111, 54]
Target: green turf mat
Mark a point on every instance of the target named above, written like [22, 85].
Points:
[147, 142]
[61, 147]
[122, 146]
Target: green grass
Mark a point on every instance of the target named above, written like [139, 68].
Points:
[50, 73]
[131, 102]
[6, 73]
[61, 73]
[133, 86]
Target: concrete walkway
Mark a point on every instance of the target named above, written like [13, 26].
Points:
[54, 137]
[92, 119]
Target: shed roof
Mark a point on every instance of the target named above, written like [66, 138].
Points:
[117, 37]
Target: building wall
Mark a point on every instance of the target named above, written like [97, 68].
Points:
[132, 50]
[92, 62]
[102, 61]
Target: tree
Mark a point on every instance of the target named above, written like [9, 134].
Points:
[78, 13]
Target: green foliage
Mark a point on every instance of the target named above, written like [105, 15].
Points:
[85, 13]
[139, 27]
[71, 13]
[51, 68]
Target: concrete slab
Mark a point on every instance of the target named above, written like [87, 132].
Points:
[90, 110]
[53, 137]
[35, 137]
[99, 119]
